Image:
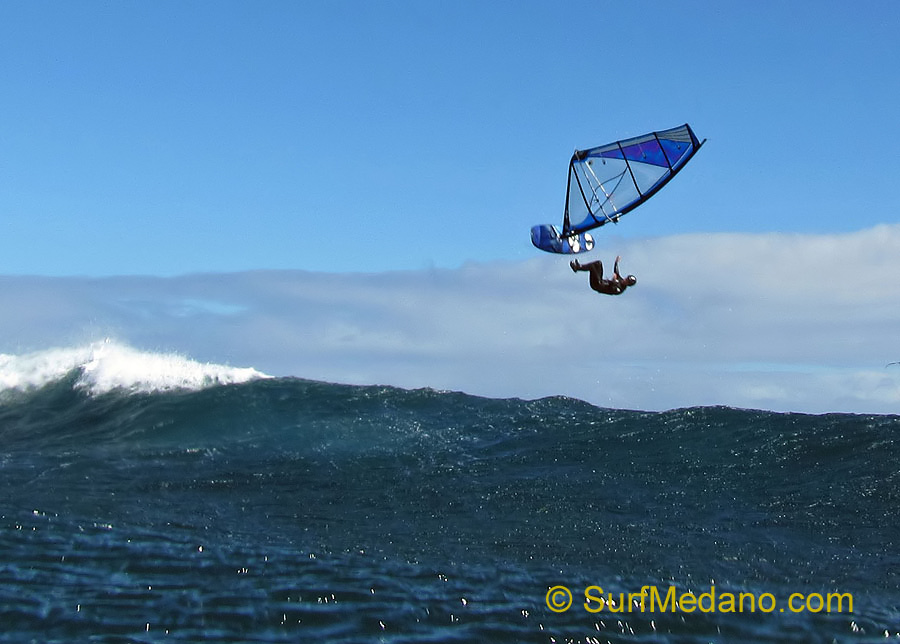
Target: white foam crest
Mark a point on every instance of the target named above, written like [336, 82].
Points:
[108, 366]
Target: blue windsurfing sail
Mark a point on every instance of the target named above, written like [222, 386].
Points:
[611, 180]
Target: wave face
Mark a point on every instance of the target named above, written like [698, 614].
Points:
[150, 498]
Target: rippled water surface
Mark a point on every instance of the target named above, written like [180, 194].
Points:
[287, 510]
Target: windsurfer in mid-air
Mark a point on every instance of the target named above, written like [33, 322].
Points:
[614, 286]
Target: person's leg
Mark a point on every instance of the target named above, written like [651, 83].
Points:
[590, 266]
[596, 269]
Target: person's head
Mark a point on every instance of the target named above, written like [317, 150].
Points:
[631, 280]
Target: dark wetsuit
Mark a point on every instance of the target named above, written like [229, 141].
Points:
[614, 286]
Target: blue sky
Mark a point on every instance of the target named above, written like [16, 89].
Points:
[165, 138]
[343, 191]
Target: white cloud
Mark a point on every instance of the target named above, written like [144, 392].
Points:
[784, 322]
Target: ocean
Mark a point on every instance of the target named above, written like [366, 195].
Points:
[149, 498]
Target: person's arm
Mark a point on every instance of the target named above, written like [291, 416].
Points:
[616, 268]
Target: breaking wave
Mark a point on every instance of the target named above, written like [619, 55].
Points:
[103, 367]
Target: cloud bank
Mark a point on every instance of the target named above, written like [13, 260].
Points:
[773, 321]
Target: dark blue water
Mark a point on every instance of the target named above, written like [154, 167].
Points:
[286, 510]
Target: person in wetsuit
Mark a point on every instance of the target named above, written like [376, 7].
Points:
[614, 286]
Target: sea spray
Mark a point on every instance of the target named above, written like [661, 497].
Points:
[105, 366]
